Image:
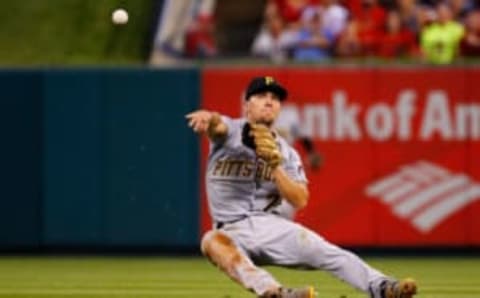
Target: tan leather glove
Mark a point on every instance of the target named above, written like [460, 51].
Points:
[265, 145]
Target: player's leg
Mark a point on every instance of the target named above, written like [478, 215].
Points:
[172, 25]
[320, 254]
[352, 269]
[222, 251]
[290, 244]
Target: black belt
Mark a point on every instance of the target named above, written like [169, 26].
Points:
[221, 224]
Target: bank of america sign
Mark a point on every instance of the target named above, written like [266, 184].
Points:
[424, 193]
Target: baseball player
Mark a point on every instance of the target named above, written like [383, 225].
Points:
[289, 127]
[251, 168]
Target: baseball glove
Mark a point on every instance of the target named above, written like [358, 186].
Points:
[261, 139]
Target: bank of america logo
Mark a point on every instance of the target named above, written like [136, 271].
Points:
[425, 193]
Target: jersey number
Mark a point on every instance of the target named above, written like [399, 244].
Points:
[275, 201]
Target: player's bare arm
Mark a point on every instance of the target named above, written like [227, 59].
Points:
[267, 149]
[207, 122]
[296, 193]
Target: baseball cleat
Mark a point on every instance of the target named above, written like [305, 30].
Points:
[305, 292]
[405, 288]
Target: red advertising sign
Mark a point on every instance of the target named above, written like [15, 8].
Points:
[399, 147]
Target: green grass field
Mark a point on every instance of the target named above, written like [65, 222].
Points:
[73, 33]
[194, 277]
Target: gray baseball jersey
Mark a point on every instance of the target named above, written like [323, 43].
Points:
[240, 195]
[239, 184]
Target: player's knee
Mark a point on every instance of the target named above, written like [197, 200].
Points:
[206, 242]
[215, 241]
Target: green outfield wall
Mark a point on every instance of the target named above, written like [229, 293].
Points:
[98, 159]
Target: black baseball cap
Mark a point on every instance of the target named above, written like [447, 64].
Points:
[262, 84]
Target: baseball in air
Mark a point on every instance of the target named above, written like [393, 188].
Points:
[120, 16]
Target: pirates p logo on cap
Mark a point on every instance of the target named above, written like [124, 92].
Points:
[269, 80]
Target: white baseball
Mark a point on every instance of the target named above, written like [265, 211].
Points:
[120, 16]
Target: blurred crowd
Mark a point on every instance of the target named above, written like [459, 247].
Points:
[436, 32]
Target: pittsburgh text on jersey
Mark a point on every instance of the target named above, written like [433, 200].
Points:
[236, 169]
